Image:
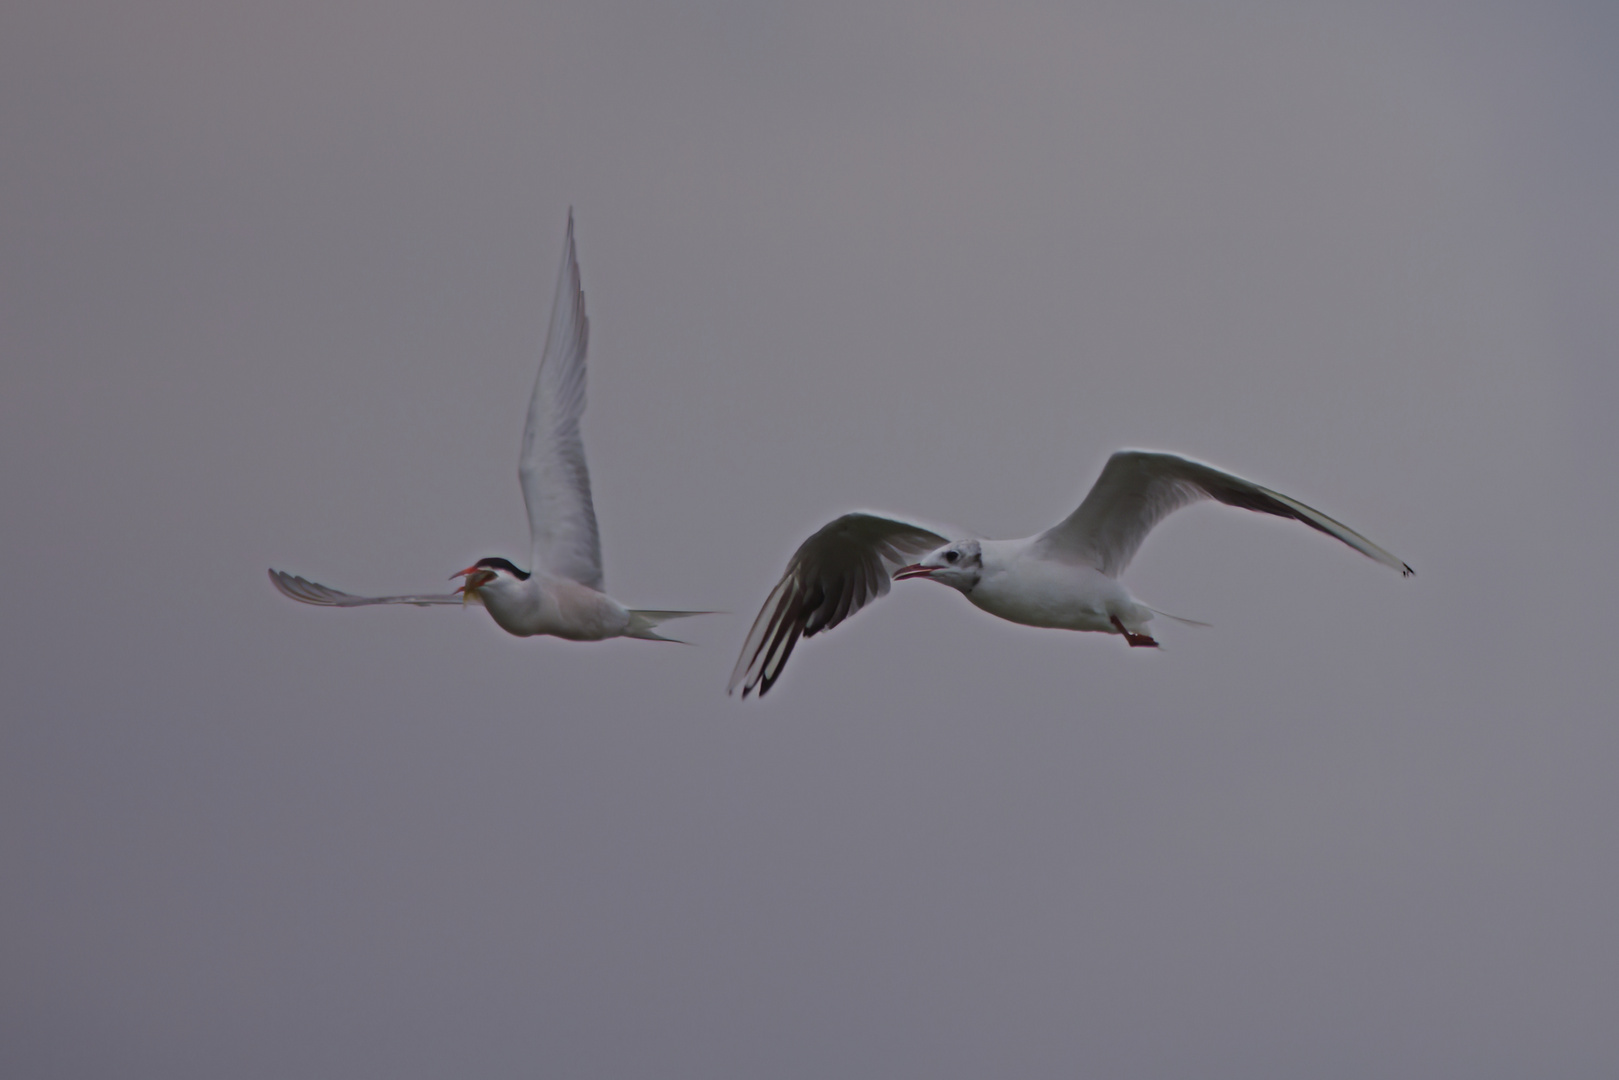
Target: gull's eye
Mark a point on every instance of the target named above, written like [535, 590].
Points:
[952, 556]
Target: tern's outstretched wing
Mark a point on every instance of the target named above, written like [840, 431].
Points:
[556, 484]
[308, 592]
[832, 575]
[1138, 489]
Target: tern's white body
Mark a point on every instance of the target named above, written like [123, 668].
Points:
[1066, 578]
[562, 595]
[558, 606]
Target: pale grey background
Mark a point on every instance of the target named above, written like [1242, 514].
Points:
[273, 282]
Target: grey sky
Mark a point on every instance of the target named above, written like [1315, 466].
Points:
[273, 280]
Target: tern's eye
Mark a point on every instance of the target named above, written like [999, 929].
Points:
[952, 556]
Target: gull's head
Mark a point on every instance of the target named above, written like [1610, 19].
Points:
[959, 565]
[488, 575]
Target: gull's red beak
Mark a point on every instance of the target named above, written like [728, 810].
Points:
[913, 570]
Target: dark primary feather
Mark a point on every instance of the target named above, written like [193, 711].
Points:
[845, 565]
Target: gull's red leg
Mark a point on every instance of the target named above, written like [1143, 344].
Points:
[1137, 641]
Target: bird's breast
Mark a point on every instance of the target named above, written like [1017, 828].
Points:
[1039, 592]
[559, 607]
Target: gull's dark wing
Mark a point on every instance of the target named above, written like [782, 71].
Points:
[847, 564]
[308, 592]
[1139, 488]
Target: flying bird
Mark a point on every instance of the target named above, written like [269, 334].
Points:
[561, 594]
[1066, 577]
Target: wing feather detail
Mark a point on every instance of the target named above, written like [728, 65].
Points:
[844, 566]
[309, 592]
[555, 479]
[1137, 489]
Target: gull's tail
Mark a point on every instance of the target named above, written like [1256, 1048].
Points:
[643, 623]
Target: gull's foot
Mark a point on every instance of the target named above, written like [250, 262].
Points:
[1136, 641]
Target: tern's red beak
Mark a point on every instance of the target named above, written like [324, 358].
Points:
[475, 577]
[913, 570]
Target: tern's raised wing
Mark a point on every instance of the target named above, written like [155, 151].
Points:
[1138, 489]
[556, 483]
[308, 592]
[832, 575]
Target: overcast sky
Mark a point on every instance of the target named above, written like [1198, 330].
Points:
[273, 280]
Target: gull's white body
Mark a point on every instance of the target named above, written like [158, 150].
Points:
[1021, 586]
[1066, 578]
[562, 596]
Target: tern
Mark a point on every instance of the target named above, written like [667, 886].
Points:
[561, 594]
[1066, 578]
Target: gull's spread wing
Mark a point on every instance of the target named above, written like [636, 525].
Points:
[1138, 489]
[308, 592]
[556, 484]
[832, 575]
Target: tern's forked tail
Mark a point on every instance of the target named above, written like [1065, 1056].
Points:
[643, 622]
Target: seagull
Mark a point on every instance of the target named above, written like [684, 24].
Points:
[561, 594]
[1066, 578]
